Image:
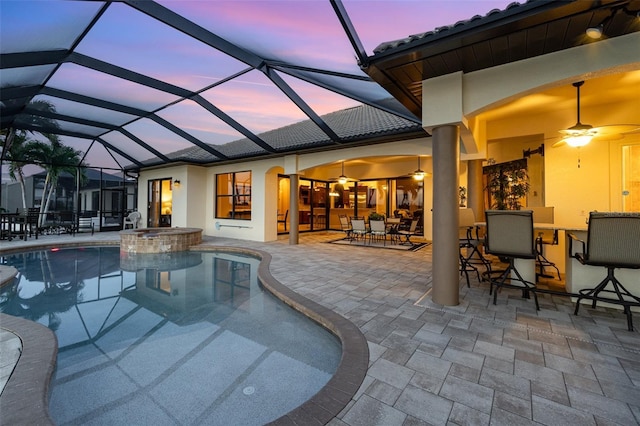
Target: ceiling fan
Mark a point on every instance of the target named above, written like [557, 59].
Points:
[342, 179]
[418, 174]
[581, 134]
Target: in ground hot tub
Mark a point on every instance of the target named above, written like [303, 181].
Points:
[159, 240]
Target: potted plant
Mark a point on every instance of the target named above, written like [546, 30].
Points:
[507, 185]
[376, 216]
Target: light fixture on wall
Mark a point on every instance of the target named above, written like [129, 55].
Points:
[176, 183]
[419, 174]
[527, 153]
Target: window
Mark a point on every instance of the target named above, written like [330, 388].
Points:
[233, 195]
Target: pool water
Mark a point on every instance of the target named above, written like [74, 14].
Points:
[173, 338]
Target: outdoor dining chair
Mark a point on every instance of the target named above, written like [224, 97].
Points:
[132, 219]
[30, 217]
[393, 226]
[282, 218]
[359, 229]
[410, 233]
[85, 221]
[345, 225]
[470, 255]
[378, 231]
[613, 242]
[510, 237]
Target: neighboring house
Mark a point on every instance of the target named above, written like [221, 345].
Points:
[103, 194]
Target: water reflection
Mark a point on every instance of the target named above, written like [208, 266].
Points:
[179, 336]
[84, 294]
[51, 282]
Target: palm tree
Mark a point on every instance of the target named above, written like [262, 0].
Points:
[19, 154]
[16, 146]
[56, 158]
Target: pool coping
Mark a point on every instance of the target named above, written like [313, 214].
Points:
[25, 397]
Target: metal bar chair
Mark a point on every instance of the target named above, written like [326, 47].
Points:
[510, 236]
[613, 242]
[470, 255]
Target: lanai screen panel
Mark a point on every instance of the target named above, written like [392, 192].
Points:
[100, 85]
[132, 40]
[254, 102]
[33, 26]
[199, 122]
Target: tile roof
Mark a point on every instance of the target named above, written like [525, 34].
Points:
[447, 30]
[351, 125]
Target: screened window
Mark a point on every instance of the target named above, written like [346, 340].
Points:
[233, 195]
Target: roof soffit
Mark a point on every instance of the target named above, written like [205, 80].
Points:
[522, 31]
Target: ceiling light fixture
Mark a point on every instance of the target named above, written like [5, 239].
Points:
[419, 174]
[594, 32]
[342, 179]
[579, 134]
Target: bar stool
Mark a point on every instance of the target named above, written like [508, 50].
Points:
[544, 237]
[470, 255]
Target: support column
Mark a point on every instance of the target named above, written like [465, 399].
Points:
[446, 167]
[475, 190]
[294, 216]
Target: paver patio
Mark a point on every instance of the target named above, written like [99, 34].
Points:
[474, 363]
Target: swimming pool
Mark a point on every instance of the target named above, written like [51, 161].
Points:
[168, 338]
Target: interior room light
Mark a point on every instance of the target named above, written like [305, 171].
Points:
[594, 32]
[333, 194]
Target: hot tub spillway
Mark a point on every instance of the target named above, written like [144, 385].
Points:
[159, 240]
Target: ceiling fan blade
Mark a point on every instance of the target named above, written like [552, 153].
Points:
[607, 137]
[615, 128]
[559, 143]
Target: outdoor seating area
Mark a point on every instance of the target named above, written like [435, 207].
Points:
[509, 256]
[502, 364]
[378, 231]
[30, 223]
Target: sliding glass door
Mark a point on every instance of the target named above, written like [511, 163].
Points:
[160, 203]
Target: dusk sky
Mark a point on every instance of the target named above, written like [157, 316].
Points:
[304, 32]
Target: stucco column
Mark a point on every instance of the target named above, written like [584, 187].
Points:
[446, 166]
[294, 216]
[475, 190]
